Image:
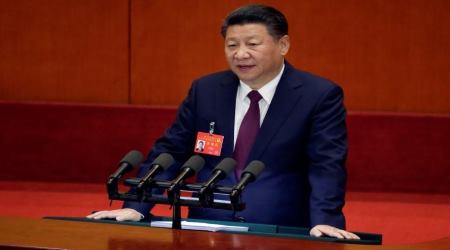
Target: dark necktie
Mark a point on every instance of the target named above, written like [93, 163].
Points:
[247, 132]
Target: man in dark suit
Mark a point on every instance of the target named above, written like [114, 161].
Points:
[300, 131]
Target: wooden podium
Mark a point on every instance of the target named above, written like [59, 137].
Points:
[25, 233]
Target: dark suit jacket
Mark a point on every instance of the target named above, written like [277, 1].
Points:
[302, 141]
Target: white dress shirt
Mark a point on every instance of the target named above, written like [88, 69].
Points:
[243, 102]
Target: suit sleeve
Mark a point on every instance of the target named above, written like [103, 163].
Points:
[327, 150]
[178, 140]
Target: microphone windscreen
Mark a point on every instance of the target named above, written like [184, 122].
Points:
[195, 163]
[164, 160]
[254, 168]
[133, 158]
[226, 165]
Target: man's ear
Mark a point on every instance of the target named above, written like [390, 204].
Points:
[284, 44]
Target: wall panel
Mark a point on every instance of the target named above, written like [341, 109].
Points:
[173, 43]
[387, 55]
[70, 51]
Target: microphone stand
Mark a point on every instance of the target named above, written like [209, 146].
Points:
[173, 193]
[174, 197]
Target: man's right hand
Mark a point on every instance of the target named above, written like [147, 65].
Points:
[124, 214]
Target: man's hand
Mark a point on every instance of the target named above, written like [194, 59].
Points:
[124, 214]
[321, 230]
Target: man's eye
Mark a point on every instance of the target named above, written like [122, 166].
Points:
[231, 45]
[252, 44]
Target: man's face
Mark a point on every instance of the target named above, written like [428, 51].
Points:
[253, 54]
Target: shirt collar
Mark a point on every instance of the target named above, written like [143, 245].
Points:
[267, 91]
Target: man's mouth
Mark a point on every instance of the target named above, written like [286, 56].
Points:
[245, 67]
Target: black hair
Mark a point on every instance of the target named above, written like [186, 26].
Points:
[272, 18]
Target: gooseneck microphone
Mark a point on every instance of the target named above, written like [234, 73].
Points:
[132, 159]
[221, 171]
[189, 168]
[249, 174]
[161, 163]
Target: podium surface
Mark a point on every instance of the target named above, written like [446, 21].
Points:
[63, 234]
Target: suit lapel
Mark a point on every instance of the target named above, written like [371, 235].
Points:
[226, 103]
[286, 96]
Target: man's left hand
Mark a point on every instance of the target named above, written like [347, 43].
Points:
[321, 230]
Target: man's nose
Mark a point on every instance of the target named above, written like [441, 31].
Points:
[242, 53]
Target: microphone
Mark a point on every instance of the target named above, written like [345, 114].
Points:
[219, 173]
[161, 163]
[132, 159]
[248, 175]
[189, 168]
